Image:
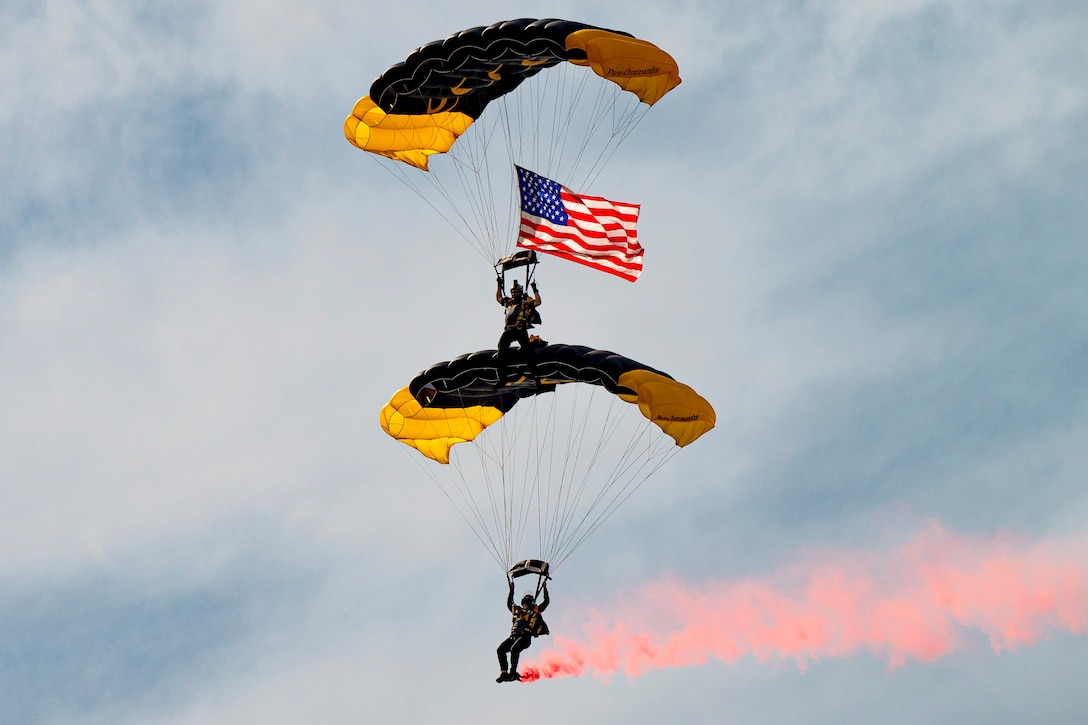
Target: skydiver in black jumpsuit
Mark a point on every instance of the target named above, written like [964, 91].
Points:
[521, 314]
[527, 624]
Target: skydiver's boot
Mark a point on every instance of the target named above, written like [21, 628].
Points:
[513, 676]
[503, 676]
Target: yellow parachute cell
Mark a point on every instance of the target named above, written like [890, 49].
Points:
[433, 431]
[411, 139]
[635, 65]
[675, 408]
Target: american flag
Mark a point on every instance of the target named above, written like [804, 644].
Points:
[589, 230]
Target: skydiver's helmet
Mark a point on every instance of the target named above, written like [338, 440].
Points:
[516, 289]
[527, 601]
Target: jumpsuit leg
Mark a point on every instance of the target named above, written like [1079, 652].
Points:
[507, 337]
[502, 650]
[521, 337]
[521, 644]
[528, 353]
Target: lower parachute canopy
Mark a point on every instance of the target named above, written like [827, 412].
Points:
[547, 466]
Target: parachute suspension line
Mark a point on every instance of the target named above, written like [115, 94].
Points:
[623, 122]
[538, 440]
[661, 452]
[572, 485]
[546, 460]
[567, 493]
[489, 528]
[605, 124]
[518, 475]
[546, 448]
[520, 507]
[579, 532]
[491, 486]
[561, 112]
[408, 178]
[607, 430]
[556, 111]
[461, 188]
[530, 122]
[501, 180]
[536, 470]
[499, 205]
[587, 531]
[548, 510]
[658, 450]
[528, 473]
[497, 503]
[544, 109]
[495, 531]
[464, 164]
[540, 143]
[564, 86]
[511, 212]
[471, 162]
[591, 128]
[505, 453]
[475, 522]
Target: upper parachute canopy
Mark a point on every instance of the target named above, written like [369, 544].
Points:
[453, 402]
[450, 82]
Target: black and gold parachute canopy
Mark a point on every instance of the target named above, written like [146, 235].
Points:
[419, 106]
[454, 401]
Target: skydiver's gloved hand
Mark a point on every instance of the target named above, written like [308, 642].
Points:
[534, 287]
[498, 281]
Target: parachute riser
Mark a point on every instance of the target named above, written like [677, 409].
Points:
[540, 580]
[524, 258]
[532, 566]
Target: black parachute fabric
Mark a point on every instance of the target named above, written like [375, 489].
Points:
[471, 68]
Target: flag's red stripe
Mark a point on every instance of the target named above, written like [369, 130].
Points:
[628, 261]
[589, 237]
[629, 276]
[573, 246]
[589, 234]
[613, 266]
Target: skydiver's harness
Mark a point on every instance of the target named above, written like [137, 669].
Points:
[527, 621]
[520, 314]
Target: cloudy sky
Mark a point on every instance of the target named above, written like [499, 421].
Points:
[865, 232]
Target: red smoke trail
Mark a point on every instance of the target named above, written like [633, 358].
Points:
[911, 603]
